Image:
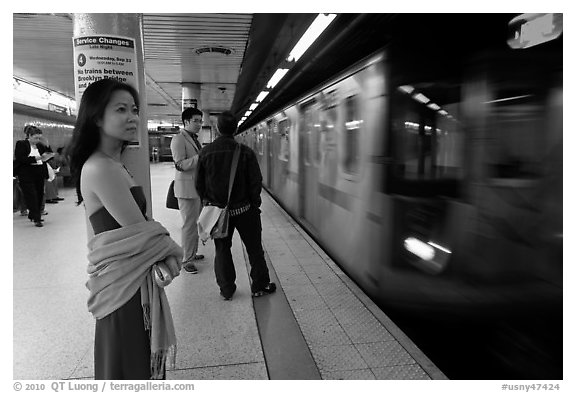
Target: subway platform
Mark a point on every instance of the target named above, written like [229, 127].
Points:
[318, 325]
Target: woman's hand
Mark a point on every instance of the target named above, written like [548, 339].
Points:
[174, 265]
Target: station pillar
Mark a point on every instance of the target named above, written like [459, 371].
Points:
[191, 96]
[191, 99]
[111, 46]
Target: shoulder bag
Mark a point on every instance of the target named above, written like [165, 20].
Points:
[213, 220]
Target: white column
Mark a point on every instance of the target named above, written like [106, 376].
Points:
[191, 96]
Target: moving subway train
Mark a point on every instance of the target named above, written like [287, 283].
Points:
[431, 172]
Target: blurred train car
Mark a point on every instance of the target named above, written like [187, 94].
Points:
[431, 172]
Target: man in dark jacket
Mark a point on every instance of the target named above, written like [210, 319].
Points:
[212, 179]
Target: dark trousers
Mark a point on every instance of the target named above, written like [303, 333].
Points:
[249, 227]
[33, 191]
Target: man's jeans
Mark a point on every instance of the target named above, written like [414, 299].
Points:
[189, 210]
[249, 227]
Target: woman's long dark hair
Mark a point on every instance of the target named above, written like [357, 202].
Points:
[86, 135]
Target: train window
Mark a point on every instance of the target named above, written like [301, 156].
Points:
[311, 134]
[327, 143]
[352, 126]
[427, 138]
[260, 140]
[518, 127]
[284, 134]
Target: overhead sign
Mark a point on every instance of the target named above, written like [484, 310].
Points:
[189, 103]
[529, 30]
[101, 56]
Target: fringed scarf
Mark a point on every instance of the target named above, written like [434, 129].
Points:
[120, 262]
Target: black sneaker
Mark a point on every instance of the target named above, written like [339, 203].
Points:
[268, 289]
[190, 268]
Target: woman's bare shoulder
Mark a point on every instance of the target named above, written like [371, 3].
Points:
[99, 170]
[98, 166]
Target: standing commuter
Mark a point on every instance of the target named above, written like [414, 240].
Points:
[134, 335]
[30, 155]
[212, 179]
[185, 148]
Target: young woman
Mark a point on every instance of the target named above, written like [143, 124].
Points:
[134, 329]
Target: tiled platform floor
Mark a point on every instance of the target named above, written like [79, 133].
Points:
[347, 335]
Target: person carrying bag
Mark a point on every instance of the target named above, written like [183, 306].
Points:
[213, 220]
[229, 182]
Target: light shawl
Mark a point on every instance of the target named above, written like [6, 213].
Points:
[119, 263]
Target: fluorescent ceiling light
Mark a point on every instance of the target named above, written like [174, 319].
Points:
[253, 106]
[433, 106]
[279, 74]
[316, 28]
[261, 96]
[422, 98]
[40, 97]
[443, 112]
[406, 89]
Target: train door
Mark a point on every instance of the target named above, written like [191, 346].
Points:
[309, 159]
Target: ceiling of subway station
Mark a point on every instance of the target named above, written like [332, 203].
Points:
[250, 47]
[231, 56]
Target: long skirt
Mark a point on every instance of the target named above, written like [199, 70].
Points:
[122, 345]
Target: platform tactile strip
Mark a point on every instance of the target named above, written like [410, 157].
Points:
[348, 375]
[411, 371]
[338, 358]
[382, 354]
[366, 331]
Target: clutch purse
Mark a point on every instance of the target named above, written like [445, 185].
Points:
[162, 275]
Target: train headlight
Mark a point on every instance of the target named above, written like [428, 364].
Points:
[431, 257]
[419, 248]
